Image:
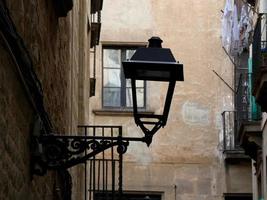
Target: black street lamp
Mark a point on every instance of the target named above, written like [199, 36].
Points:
[153, 63]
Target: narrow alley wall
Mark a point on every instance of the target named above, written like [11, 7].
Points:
[53, 44]
[184, 160]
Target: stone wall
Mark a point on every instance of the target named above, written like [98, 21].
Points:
[54, 46]
[47, 39]
[16, 120]
[238, 177]
[264, 152]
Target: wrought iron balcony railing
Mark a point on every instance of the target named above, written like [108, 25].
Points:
[229, 131]
[103, 172]
[232, 120]
[246, 110]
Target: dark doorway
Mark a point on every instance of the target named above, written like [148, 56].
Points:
[129, 196]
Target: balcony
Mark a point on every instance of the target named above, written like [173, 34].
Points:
[231, 147]
[260, 65]
[250, 138]
[245, 118]
[248, 117]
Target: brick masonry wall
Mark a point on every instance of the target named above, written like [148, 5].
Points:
[50, 43]
[15, 124]
[48, 40]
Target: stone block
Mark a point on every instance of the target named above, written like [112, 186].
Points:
[185, 186]
[204, 187]
[3, 183]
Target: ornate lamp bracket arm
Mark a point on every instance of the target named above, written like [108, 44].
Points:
[62, 152]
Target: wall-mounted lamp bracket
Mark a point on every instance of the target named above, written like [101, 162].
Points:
[62, 152]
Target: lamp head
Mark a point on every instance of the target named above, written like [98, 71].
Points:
[153, 63]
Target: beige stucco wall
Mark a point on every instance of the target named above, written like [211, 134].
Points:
[239, 177]
[186, 153]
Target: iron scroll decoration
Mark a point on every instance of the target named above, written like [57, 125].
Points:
[60, 152]
[63, 152]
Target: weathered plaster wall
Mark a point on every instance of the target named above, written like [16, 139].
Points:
[58, 48]
[122, 20]
[239, 177]
[186, 152]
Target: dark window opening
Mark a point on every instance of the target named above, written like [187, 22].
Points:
[117, 91]
[238, 196]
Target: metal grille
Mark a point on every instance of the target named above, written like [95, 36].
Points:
[103, 178]
[243, 99]
[103, 172]
[232, 120]
[245, 111]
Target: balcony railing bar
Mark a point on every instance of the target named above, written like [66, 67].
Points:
[104, 169]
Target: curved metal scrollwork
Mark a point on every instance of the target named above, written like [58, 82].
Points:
[62, 152]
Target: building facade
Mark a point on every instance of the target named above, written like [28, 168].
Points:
[252, 134]
[250, 104]
[50, 66]
[187, 158]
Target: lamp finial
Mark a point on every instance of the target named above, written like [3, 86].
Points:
[155, 42]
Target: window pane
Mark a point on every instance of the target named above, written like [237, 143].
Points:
[112, 97]
[129, 99]
[114, 84]
[112, 77]
[112, 58]
[128, 83]
[139, 83]
[129, 53]
[139, 95]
